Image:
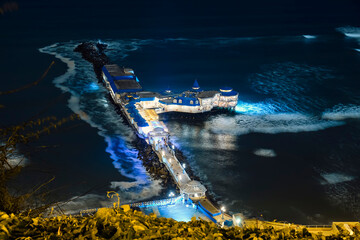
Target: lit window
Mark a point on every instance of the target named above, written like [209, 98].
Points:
[191, 102]
[180, 101]
[174, 101]
[197, 102]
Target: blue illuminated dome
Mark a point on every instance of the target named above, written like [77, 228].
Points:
[196, 86]
[226, 89]
[228, 92]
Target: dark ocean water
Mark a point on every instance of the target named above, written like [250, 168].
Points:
[291, 150]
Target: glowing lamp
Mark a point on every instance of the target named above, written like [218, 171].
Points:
[226, 89]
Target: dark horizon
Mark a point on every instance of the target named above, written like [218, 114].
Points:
[164, 19]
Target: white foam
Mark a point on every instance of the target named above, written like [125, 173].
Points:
[335, 178]
[140, 193]
[265, 152]
[309, 36]
[69, 63]
[15, 158]
[352, 35]
[270, 124]
[92, 106]
[350, 31]
[342, 112]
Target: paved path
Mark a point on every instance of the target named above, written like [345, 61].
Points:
[167, 156]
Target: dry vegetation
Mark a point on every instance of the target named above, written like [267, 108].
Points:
[11, 139]
[115, 223]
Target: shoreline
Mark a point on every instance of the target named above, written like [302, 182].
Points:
[157, 168]
[94, 54]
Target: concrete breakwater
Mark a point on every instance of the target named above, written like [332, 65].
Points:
[140, 110]
[94, 53]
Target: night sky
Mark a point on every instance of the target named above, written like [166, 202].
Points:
[158, 19]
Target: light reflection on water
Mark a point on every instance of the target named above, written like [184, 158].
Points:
[178, 212]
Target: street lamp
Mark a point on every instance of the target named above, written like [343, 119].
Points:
[223, 209]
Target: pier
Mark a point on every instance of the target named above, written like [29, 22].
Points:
[142, 109]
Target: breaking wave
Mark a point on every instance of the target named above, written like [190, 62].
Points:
[89, 100]
[309, 36]
[342, 112]
[265, 152]
[15, 158]
[334, 178]
[351, 32]
[269, 124]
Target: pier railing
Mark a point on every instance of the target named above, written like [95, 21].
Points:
[162, 202]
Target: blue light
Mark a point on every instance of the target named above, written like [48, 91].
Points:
[92, 87]
[255, 108]
[178, 211]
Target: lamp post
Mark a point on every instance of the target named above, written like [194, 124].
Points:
[173, 149]
[223, 209]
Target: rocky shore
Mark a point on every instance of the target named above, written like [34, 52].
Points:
[94, 53]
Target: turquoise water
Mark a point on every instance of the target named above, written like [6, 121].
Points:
[179, 211]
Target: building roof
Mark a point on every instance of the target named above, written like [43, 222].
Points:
[121, 79]
[207, 94]
[134, 113]
[193, 187]
[226, 89]
[229, 94]
[196, 85]
[115, 71]
[209, 207]
[148, 95]
[127, 84]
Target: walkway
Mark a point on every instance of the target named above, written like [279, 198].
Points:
[167, 156]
